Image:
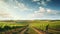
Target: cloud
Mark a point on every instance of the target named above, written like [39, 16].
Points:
[12, 9]
[50, 11]
[21, 6]
[43, 13]
[46, 11]
[42, 2]
[5, 15]
[37, 14]
[36, 0]
[17, 5]
[3, 11]
[40, 10]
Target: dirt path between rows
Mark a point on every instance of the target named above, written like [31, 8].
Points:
[22, 32]
[39, 32]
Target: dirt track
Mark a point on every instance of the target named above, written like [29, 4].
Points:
[38, 31]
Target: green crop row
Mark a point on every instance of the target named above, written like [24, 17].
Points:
[53, 28]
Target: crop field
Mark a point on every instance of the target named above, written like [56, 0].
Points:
[11, 27]
[30, 27]
[53, 28]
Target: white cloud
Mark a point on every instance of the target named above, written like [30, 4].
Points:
[9, 10]
[12, 11]
[21, 6]
[42, 13]
[42, 10]
[42, 2]
[48, 10]
[37, 14]
[3, 11]
[36, 0]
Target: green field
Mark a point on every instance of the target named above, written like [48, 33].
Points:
[53, 28]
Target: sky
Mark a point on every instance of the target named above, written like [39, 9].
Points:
[29, 9]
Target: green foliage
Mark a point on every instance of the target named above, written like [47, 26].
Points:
[53, 24]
